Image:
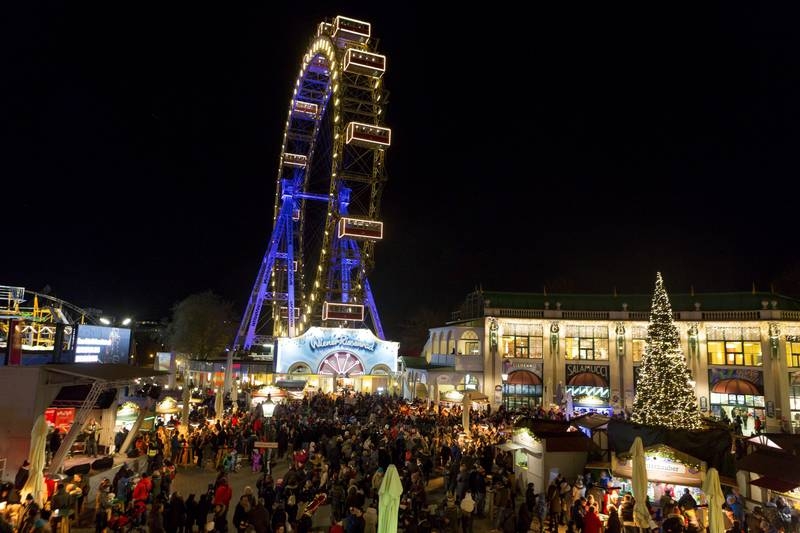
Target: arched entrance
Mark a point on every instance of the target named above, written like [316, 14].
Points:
[589, 391]
[343, 367]
[522, 389]
[734, 397]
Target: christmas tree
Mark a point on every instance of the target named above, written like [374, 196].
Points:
[664, 394]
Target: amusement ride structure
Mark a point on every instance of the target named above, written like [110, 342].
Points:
[328, 192]
[42, 319]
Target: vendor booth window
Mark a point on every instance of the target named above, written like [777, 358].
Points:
[792, 351]
[522, 340]
[521, 458]
[587, 342]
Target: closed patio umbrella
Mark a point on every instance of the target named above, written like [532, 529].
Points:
[641, 516]
[713, 491]
[389, 501]
[35, 484]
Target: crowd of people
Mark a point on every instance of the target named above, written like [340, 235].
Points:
[337, 449]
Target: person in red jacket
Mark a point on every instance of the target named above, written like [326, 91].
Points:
[591, 521]
[141, 492]
[223, 495]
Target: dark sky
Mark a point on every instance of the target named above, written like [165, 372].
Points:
[582, 148]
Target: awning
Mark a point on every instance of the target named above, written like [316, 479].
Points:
[291, 384]
[771, 483]
[475, 396]
[509, 446]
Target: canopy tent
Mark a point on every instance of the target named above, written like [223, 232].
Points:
[389, 500]
[641, 515]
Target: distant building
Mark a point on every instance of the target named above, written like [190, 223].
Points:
[519, 349]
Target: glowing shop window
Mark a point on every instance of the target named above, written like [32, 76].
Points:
[637, 349]
[792, 351]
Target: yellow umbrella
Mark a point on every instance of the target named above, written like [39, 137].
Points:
[35, 484]
[389, 500]
[219, 405]
[641, 516]
[713, 491]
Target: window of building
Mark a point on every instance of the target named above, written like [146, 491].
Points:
[522, 340]
[794, 400]
[792, 351]
[587, 342]
[734, 347]
[471, 344]
[638, 341]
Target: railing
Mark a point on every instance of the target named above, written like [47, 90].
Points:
[506, 312]
[440, 359]
[731, 315]
[585, 315]
[469, 363]
[790, 315]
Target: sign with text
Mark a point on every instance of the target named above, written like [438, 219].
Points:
[102, 344]
[265, 444]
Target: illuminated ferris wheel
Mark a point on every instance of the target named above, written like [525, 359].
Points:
[328, 191]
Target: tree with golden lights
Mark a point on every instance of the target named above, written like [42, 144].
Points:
[664, 394]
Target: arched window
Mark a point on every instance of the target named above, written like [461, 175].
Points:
[451, 343]
[469, 344]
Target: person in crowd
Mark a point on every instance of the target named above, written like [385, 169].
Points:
[687, 501]
[613, 524]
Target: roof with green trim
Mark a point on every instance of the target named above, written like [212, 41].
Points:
[712, 301]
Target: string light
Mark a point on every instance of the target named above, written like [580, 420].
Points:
[664, 395]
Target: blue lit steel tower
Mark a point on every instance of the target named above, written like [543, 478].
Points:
[328, 190]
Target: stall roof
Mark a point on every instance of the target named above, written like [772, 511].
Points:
[103, 372]
[773, 464]
[569, 441]
[509, 446]
[590, 421]
[789, 442]
[541, 424]
[772, 483]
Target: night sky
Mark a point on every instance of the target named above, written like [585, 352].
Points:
[581, 149]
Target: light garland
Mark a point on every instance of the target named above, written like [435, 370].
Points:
[664, 396]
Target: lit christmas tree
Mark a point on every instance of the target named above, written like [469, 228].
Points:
[664, 394]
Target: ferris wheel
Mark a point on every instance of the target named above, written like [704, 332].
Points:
[328, 190]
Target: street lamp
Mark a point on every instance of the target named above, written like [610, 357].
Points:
[268, 407]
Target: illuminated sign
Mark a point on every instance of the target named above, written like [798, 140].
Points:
[317, 344]
[102, 344]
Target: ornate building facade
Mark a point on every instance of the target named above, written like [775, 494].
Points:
[518, 349]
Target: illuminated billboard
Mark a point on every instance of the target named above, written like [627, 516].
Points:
[102, 344]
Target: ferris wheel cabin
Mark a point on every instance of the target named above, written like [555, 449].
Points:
[295, 160]
[366, 63]
[358, 228]
[307, 110]
[340, 311]
[351, 29]
[368, 136]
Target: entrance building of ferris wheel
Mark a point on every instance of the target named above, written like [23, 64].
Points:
[311, 313]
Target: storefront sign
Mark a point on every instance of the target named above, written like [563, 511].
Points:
[574, 370]
[660, 470]
[358, 347]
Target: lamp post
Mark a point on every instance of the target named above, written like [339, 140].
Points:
[268, 407]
